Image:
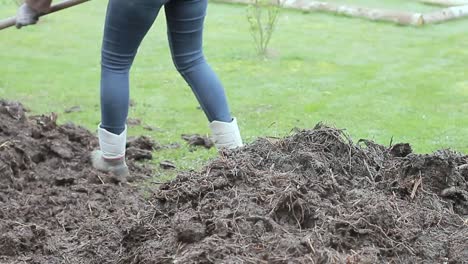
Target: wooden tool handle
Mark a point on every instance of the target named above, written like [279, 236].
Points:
[11, 21]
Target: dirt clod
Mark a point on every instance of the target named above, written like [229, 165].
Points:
[166, 164]
[75, 108]
[401, 150]
[198, 140]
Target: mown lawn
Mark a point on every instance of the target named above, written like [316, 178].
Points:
[377, 80]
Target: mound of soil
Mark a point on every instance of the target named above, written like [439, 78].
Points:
[312, 197]
[54, 208]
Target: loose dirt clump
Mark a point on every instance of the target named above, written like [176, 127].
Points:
[312, 197]
[198, 140]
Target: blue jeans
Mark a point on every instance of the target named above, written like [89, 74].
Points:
[127, 22]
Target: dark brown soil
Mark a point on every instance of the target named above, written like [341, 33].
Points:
[54, 208]
[313, 197]
[198, 140]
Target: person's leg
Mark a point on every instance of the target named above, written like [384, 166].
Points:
[185, 19]
[127, 22]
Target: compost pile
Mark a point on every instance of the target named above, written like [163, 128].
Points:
[312, 197]
[54, 208]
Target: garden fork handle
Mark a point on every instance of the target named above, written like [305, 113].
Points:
[11, 21]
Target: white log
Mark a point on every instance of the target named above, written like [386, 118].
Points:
[445, 14]
[374, 14]
[399, 17]
[445, 2]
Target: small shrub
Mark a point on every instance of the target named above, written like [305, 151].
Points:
[262, 16]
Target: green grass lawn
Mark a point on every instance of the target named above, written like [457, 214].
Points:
[377, 80]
